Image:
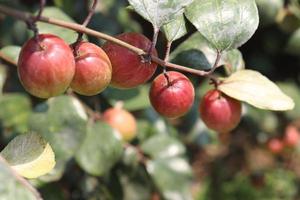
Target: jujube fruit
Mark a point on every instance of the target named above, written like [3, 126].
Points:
[128, 69]
[46, 66]
[291, 136]
[220, 112]
[93, 69]
[123, 121]
[275, 145]
[172, 97]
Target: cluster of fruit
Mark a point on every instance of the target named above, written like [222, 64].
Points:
[291, 139]
[47, 66]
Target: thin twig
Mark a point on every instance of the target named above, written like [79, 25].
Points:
[87, 20]
[21, 180]
[79, 28]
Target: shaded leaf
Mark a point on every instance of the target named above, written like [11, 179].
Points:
[172, 177]
[293, 45]
[15, 111]
[66, 34]
[197, 53]
[30, 155]
[254, 88]
[175, 29]
[226, 24]
[100, 150]
[62, 122]
[163, 146]
[133, 99]
[268, 10]
[159, 12]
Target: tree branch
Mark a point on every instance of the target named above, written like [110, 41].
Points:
[80, 28]
[21, 180]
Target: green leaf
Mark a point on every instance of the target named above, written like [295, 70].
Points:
[100, 150]
[133, 99]
[197, 53]
[163, 146]
[268, 10]
[11, 188]
[254, 88]
[172, 177]
[66, 34]
[291, 89]
[62, 122]
[234, 61]
[175, 29]
[226, 24]
[15, 111]
[11, 52]
[159, 12]
[30, 155]
[293, 45]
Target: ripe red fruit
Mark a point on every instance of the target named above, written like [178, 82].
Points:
[46, 66]
[128, 70]
[275, 145]
[174, 98]
[93, 69]
[220, 112]
[291, 136]
[123, 121]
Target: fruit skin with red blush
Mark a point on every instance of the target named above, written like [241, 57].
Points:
[220, 112]
[291, 136]
[93, 69]
[46, 66]
[275, 145]
[172, 97]
[123, 121]
[128, 69]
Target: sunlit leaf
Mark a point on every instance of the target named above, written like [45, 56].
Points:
[227, 24]
[254, 88]
[30, 155]
[159, 12]
[175, 29]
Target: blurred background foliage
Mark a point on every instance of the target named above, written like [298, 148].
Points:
[169, 159]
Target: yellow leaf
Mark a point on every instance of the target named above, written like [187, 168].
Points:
[254, 88]
[30, 155]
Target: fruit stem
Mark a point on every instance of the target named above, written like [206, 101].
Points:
[214, 79]
[166, 59]
[31, 21]
[148, 56]
[87, 20]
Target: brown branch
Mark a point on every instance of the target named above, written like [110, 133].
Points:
[21, 180]
[80, 28]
